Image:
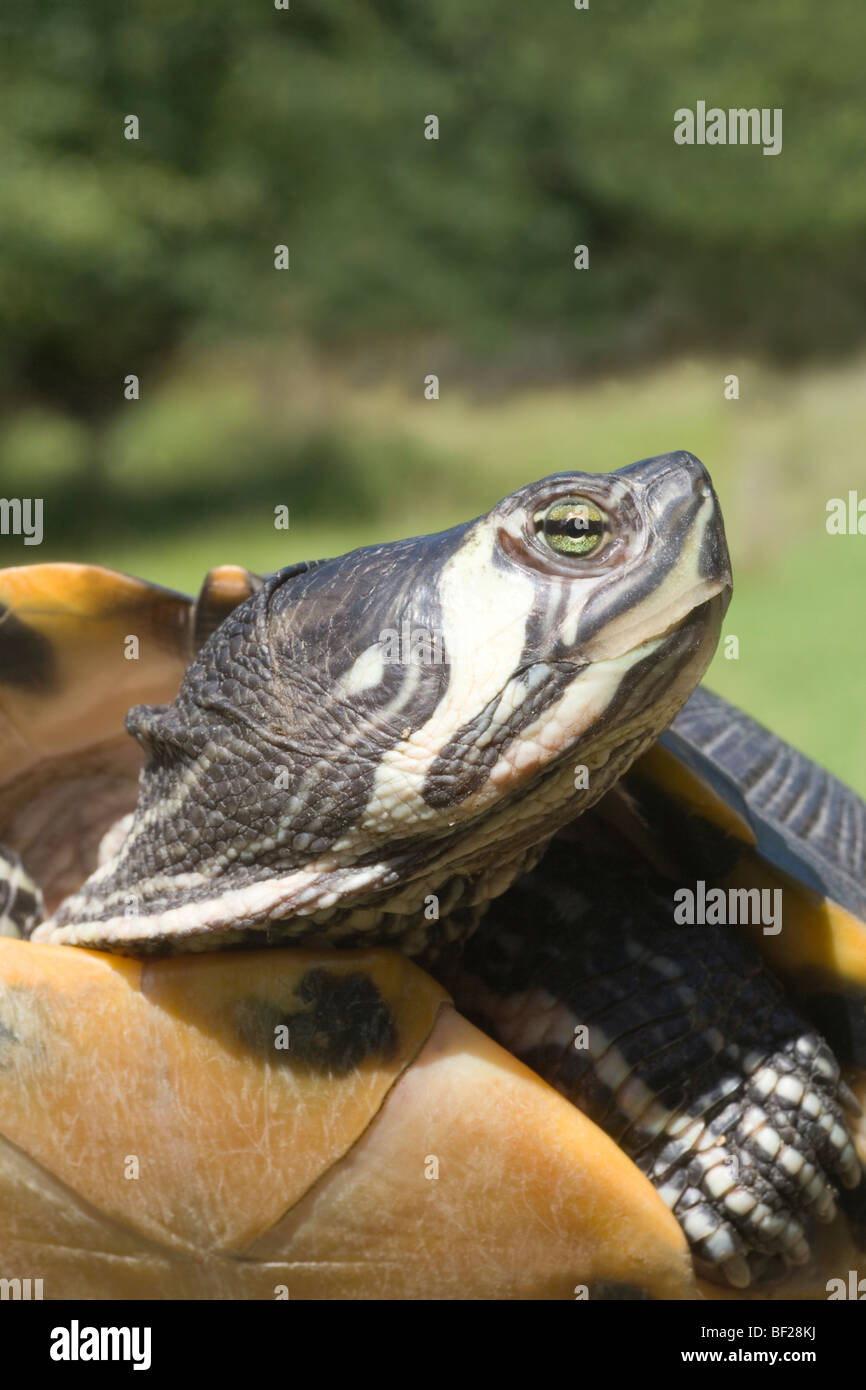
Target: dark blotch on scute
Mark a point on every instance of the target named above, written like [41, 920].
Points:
[26, 657]
[343, 1020]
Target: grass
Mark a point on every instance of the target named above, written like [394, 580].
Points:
[387, 464]
[802, 662]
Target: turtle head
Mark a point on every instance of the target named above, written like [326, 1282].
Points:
[371, 747]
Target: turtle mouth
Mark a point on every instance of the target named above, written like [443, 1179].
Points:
[701, 616]
[700, 628]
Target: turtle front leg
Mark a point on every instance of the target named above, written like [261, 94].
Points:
[681, 1045]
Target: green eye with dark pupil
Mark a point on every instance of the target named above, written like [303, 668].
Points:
[574, 526]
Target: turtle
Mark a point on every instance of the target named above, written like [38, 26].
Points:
[443, 832]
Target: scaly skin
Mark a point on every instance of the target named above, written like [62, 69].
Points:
[308, 785]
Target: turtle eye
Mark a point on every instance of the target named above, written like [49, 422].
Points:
[574, 526]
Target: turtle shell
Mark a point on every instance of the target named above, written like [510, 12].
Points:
[293, 1123]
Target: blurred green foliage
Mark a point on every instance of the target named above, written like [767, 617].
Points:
[305, 126]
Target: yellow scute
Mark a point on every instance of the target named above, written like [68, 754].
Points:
[112, 1067]
[154, 1144]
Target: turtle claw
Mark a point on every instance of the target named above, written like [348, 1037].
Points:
[736, 1271]
[826, 1209]
[798, 1254]
[848, 1099]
